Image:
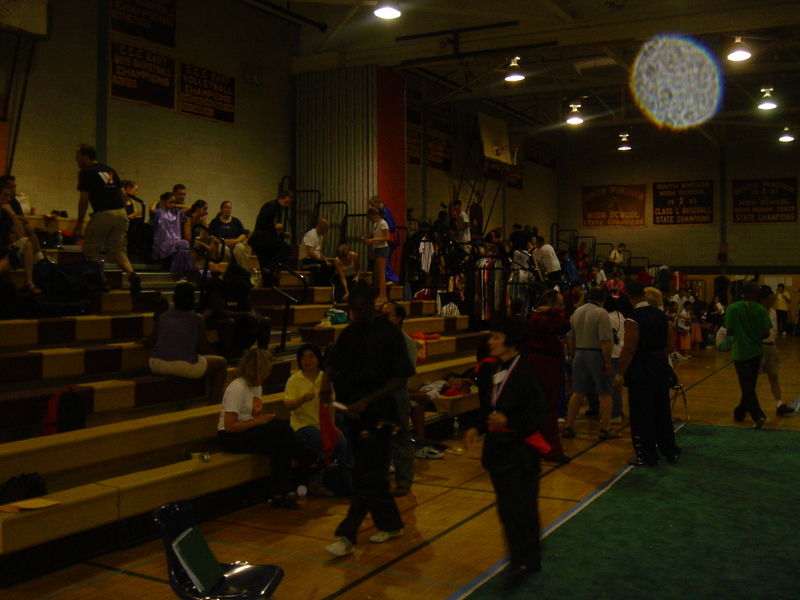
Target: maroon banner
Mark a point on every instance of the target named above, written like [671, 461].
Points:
[613, 205]
[683, 202]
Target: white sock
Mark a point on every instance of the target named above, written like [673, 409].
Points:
[779, 402]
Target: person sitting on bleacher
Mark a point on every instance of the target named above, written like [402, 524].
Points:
[311, 253]
[245, 429]
[348, 270]
[15, 251]
[308, 420]
[196, 231]
[230, 230]
[178, 337]
[168, 239]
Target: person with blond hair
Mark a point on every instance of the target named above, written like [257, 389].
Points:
[244, 427]
[348, 271]
[654, 297]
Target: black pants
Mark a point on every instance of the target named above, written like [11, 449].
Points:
[272, 251]
[783, 316]
[555, 276]
[278, 442]
[321, 269]
[372, 449]
[747, 370]
[518, 506]
[651, 422]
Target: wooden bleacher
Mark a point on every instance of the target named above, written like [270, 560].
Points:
[131, 463]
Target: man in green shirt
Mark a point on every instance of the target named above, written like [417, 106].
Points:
[749, 323]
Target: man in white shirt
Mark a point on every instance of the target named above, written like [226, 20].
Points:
[311, 253]
[463, 236]
[546, 256]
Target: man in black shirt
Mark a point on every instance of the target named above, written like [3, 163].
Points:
[369, 363]
[99, 186]
[268, 235]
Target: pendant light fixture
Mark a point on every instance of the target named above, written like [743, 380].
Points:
[513, 72]
[739, 51]
[387, 9]
[767, 102]
[786, 136]
[574, 117]
[624, 144]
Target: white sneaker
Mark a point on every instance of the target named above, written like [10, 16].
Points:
[391, 467]
[616, 420]
[342, 547]
[383, 536]
[562, 420]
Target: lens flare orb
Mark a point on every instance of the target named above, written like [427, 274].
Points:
[676, 82]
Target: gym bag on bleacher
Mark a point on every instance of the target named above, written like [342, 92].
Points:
[66, 411]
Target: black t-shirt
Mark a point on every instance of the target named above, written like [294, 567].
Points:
[519, 240]
[226, 231]
[16, 207]
[103, 185]
[368, 353]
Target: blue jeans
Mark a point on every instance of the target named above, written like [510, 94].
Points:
[313, 437]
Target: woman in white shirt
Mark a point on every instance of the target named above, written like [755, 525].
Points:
[245, 429]
[379, 239]
[618, 330]
[301, 397]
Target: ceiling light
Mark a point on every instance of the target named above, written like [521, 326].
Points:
[387, 9]
[574, 117]
[513, 72]
[624, 144]
[767, 103]
[787, 136]
[739, 51]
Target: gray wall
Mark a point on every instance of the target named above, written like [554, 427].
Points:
[158, 148]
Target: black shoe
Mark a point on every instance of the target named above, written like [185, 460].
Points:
[638, 462]
[515, 577]
[759, 422]
[561, 459]
[784, 409]
[284, 502]
[738, 414]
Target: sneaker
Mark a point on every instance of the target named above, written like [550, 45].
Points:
[284, 502]
[616, 420]
[401, 490]
[317, 488]
[738, 414]
[562, 419]
[784, 409]
[391, 467]
[342, 547]
[428, 452]
[383, 536]
[759, 423]
[609, 434]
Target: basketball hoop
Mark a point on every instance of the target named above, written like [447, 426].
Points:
[509, 151]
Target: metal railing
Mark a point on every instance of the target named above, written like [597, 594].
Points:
[289, 300]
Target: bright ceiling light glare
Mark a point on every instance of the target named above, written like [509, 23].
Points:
[387, 9]
[513, 72]
[739, 51]
[787, 136]
[676, 82]
[574, 117]
[624, 145]
[767, 102]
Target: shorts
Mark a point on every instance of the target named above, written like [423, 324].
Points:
[770, 360]
[106, 228]
[180, 368]
[382, 252]
[587, 373]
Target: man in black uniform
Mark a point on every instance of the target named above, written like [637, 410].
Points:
[267, 240]
[99, 186]
[644, 367]
[368, 364]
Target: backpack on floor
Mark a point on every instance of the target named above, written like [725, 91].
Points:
[66, 411]
[22, 487]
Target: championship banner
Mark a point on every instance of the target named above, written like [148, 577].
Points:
[440, 118]
[514, 177]
[152, 20]
[613, 205]
[208, 94]
[440, 154]
[142, 76]
[765, 200]
[683, 202]
[532, 150]
[413, 147]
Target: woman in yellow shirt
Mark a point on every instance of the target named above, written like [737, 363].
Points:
[301, 397]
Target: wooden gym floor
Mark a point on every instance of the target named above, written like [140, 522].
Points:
[452, 531]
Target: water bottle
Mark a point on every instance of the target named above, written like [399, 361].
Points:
[255, 278]
[455, 428]
[59, 238]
